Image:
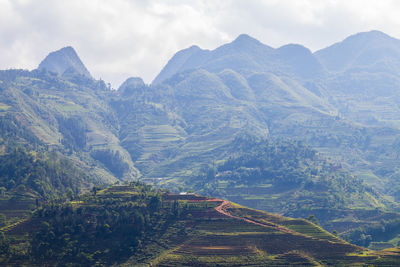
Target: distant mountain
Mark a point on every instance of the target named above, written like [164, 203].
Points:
[298, 60]
[180, 62]
[246, 55]
[372, 51]
[185, 123]
[130, 84]
[65, 60]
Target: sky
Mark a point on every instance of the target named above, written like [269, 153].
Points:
[124, 38]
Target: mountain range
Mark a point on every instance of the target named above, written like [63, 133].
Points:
[278, 129]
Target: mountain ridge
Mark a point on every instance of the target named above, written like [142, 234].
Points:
[183, 130]
[244, 52]
[353, 50]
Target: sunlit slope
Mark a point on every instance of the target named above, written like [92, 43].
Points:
[186, 122]
[138, 225]
[232, 235]
[70, 115]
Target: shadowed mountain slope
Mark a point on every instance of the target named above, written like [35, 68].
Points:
[63, 61]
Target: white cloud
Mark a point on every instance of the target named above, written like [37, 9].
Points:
[122, 38]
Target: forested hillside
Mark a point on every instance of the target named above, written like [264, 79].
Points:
[68, 115]
[284, 177]
[285, 130]
[138, 225]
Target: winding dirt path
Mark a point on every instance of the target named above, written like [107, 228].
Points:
[222, 208]
[12, 226]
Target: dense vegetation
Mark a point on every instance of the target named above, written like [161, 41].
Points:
[12, 132]
[26, 165]
[74, 131]
[284, 177]
[385, 232]
[136, 224]
[112, 160]
[101, 229]
[68, 115]
[46, 174]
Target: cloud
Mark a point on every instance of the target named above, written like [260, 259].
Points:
[122, 38]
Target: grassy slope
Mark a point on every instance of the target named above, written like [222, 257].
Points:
[39, 101]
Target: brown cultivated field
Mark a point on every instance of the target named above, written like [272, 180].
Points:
[226, 234]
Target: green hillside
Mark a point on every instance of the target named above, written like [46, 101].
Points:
[292, 179]
[138, 225]
[341, 100]
[67, 115]
[280, 130]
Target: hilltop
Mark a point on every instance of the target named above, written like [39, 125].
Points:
[138, 225]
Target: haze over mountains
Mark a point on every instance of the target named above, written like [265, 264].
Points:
[246, 53]
[204, 96]
[243, 55]
[291, 80]
[362, 50]
[284, 130]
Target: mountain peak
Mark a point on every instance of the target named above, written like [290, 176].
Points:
[243, 36]
[178, 62]
[368, 37]
[372, 33]
[364, 48]
[68, 49]
[244, 40]
[131, 84]
[62, 60]
[133, 81]
[294, 49]
[194, 48]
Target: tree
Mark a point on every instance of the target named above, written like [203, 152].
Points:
[21, 188]
[4, 244]
[70, 194]
[3, 219]
[155, 203]
[2, 191]
[94, 190]
[313, 219]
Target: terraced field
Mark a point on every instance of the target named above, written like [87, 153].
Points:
[16, 208]
[214, 232]
[233, 235]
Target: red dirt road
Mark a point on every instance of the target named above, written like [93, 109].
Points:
[222, 208]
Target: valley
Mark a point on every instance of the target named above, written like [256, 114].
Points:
[312, 137]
